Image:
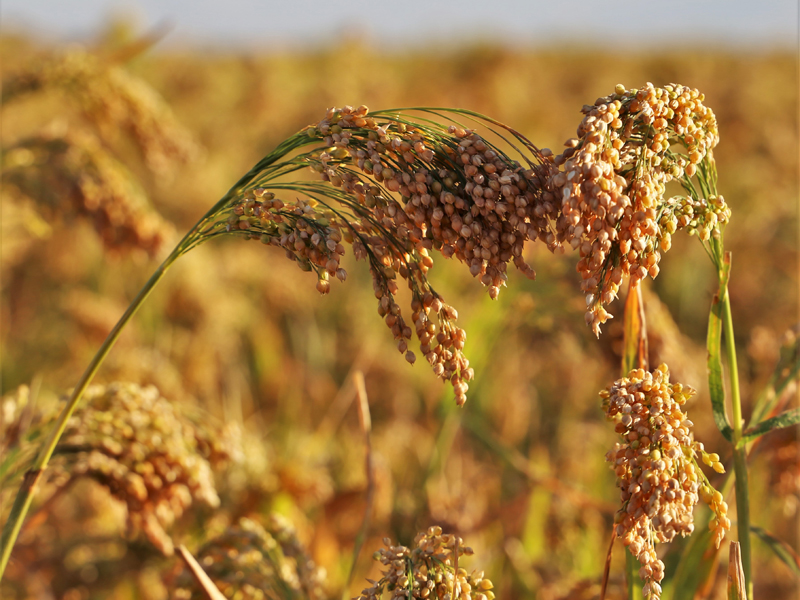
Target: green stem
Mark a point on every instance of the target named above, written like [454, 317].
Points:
[739, 450]
[267, 166]
[25, 495]
[631, 576]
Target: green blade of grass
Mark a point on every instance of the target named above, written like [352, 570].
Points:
[697, 566]
[785, 419]
[715, 386]
[780, 548]
[786, 371]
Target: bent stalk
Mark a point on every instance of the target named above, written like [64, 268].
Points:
[27, 490]
[197, 234]
[25, 495]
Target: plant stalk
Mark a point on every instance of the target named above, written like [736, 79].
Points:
[739, 450]
[634, 355]
[26, 492]
[195, 235]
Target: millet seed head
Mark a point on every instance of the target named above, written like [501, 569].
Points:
[656, 467]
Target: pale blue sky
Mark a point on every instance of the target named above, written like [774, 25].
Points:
[299, 23]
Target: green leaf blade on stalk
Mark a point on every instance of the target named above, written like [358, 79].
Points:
[780, 548]
[785, 419]
[786, 371]
[697, 567]
[715, 386]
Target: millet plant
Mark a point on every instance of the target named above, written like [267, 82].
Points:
[399, 186]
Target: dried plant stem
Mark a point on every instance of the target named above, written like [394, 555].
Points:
[211, 591]
[365, 420]
[736, 581]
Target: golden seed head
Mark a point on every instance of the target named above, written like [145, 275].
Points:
[136, 443]
[656, 467]
[612, 180]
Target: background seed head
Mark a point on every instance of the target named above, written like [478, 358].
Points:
[133, 441]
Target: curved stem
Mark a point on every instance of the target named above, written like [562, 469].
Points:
[270, 165]
[26, 492]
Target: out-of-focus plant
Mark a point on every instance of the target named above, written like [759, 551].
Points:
[252, 562]
[148, 455]
[133, 442]
[72, 174]
[73, 167]
[429, 569]
[115, 103]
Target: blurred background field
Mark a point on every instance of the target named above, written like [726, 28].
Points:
[238, 339]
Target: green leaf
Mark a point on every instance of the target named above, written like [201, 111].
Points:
[697, 566]
[781, 549]
[785, 419]
[786, 371]
[714, 346]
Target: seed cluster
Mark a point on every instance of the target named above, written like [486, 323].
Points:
[72, 174]
[656, 468]
[114, 101]
[612, 181]
[134, 442]
[252, 562]
[397, 187]
[396, 191]
[427, 571]
[312, 234]
[458, 194]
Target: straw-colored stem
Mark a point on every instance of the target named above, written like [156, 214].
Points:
[739, 450]
[634, 354]
[365, 421]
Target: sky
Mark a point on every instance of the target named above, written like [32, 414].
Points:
[295, 24]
